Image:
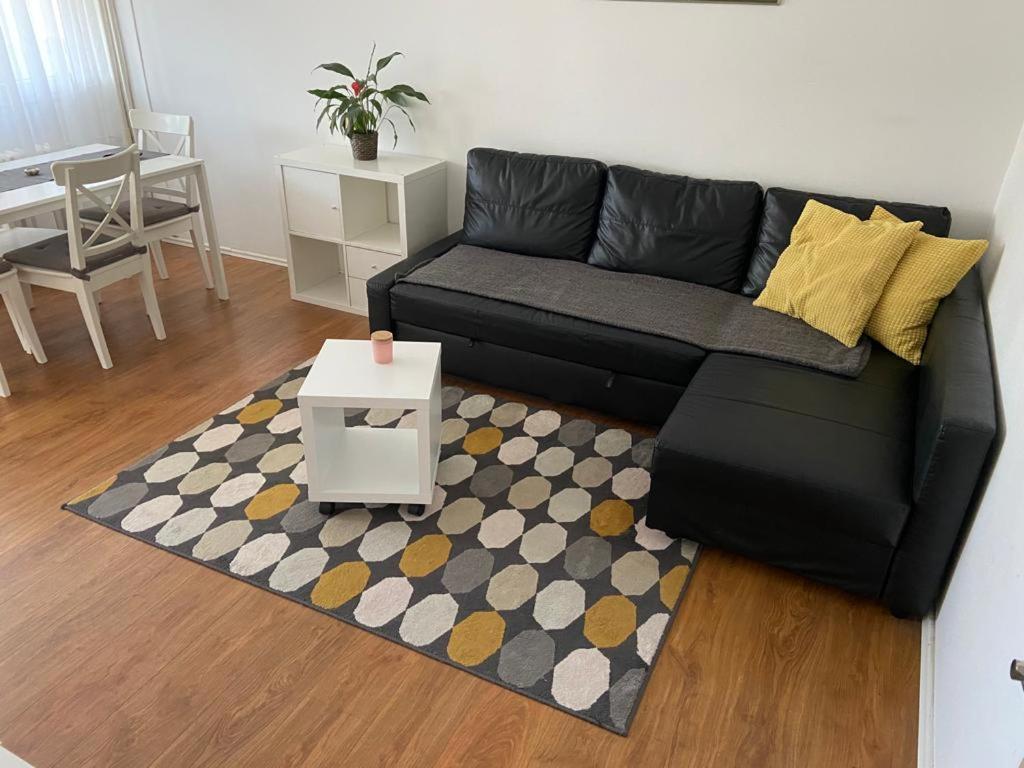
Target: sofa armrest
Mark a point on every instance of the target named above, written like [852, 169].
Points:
[378, 287]
[956, 425]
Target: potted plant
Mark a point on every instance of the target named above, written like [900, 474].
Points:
[358, 109]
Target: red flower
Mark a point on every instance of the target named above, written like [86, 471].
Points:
[356, 87]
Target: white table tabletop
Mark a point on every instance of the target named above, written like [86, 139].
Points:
[344, 371]
[37, 199]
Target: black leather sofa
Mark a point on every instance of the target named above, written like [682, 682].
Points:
[862, 482]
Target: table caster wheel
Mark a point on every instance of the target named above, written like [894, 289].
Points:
[326, 507]
[416, 510]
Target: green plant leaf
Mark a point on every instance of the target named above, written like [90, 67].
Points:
[327, 93]
[339, 69]
[324, 113]
[401, 109]
[360, 122]
[356, 118]
[407, 90]
[383, 62]
[394, 131]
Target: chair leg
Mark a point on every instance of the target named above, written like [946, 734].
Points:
[15, 319]
[16, 322]
[91, 315]
[158, 256]
[204, 261]
[26, 288]
[5, 388]
[18, 310]
[149, 296]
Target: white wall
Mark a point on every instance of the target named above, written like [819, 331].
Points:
[916, 100]
[979, 711]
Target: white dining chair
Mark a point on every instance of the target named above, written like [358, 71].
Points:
[14, 300]
[92, 255]
[171, 208]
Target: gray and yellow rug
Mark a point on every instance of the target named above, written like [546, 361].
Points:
[532, 568]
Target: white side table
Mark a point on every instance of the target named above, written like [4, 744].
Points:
[371, 464]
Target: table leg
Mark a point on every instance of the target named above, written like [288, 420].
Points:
[206, 208]
[326, 507]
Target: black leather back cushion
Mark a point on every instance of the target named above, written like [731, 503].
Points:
[539, 205]
[696, 230]
[782, 208]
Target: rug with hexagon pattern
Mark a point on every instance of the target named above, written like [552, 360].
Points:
[532, 568]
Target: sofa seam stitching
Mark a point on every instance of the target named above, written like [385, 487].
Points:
[798, 413]
[532, 209]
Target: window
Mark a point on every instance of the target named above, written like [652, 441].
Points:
[57, 86]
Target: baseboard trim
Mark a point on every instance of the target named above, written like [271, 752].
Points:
[277, 261]
[926, 706]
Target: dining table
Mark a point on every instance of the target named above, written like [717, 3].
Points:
[26, 195]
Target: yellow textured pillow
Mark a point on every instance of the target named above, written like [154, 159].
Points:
[927, 273]
[835, 269]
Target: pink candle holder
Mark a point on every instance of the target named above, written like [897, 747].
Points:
[383, 347]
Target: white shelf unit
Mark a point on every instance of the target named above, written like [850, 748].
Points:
[346, 220]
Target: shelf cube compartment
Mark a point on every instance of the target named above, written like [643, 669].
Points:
[370, 214]
[318, 271]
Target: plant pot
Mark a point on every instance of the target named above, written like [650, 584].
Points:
[364, 145]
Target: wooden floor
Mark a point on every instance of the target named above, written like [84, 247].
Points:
[114, 653]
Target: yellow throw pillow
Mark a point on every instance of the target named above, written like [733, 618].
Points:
[835, 269]
[927, 273]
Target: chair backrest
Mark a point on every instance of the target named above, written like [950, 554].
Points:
[172, 135]
[162, 132]
[113, 231]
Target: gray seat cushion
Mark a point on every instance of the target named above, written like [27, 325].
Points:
[697, 315]
[154, 211]
[5, 267]
[546, 333]
[55, 254]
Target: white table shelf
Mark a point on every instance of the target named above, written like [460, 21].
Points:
[362, 465]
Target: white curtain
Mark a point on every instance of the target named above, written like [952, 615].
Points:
[57, 83]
